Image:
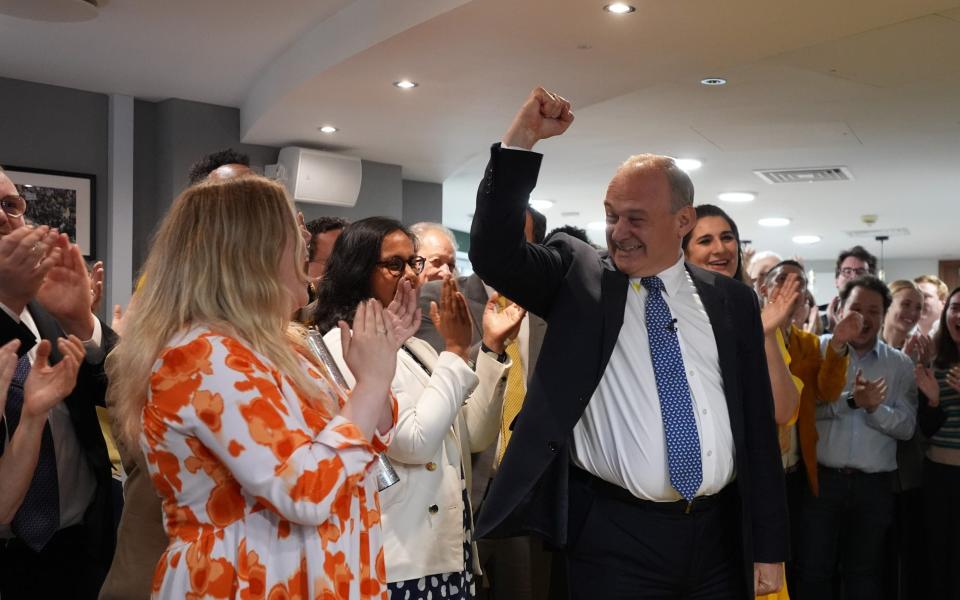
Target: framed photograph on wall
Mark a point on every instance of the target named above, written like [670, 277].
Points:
[59, 199]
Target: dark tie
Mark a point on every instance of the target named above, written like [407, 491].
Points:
[38, 517]
[676, 403]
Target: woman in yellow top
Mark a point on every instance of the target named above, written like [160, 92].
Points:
[822, 375]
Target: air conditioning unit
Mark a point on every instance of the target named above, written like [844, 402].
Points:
[318, 177]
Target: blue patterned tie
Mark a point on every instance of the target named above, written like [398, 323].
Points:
[676, 403]
[38, 517]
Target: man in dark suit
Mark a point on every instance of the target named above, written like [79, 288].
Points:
[646, 446]
[60, 542]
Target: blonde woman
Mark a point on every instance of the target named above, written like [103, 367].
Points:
[264, 473]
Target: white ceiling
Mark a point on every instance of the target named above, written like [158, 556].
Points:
[867, 84]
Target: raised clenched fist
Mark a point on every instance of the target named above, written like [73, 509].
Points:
[543, 115]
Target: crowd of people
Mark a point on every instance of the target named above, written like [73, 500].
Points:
[669, 417]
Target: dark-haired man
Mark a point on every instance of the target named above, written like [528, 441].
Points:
[851, 264]
[223, 164]
[848, 523]
[324, 232]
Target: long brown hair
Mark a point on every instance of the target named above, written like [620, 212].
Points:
[213, 263]
[947, 352]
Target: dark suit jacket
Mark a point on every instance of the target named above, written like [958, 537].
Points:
[582, 296]
[82, 402]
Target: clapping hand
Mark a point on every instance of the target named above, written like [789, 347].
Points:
[47, 385]
[501, 325]
[869, 393]
[452, 319]
[780, 307]
[8, 363]
[846, 329]
[26, 255]
[919, 348]
[543, 115]
[953, 377]
[65, 292]
[370, 349]
[403, 315]
[927, 384]
[96, 285]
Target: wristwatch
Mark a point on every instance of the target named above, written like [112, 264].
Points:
[500, 356]
[850, 401]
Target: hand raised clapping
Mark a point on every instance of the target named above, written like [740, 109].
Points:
[868, 394]
[403, 315]
[370, 349]
[452, 319]
[501, 325]
[47, 386]
[779, 308]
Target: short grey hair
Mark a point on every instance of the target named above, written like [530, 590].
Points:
[681, 188]
[424, 227]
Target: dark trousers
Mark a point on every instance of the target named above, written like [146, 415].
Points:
[796, 484]
[64, 569]
[845, 529]
[630, 549]
[941, 498]
[516, 568]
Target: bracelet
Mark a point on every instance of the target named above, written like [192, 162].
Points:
[501, 356]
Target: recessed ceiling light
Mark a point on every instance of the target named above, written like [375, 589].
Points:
[737, 197]
[713, 81]
[806, 239]
[597, 225]
[688, 164]
[328, 129]
[541, 205]
[619, 8]
[774, 222]
[405, 84]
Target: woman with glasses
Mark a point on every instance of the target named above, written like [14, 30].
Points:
[447, 411]
[264, 469]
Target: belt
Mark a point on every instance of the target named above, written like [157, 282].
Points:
[615, 492]
[851, 472]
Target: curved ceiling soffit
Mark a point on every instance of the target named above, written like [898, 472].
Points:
[359, 26]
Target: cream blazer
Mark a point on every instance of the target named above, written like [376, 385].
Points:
[443, 418]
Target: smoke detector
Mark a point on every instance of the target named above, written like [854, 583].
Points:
[868, 220]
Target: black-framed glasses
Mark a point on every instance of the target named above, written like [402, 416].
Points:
[396, 265]
[851, 272]
[14, 206]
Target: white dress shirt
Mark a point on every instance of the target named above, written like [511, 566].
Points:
[75, 478]
[620, 436]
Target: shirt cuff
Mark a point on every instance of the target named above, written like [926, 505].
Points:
[94, 345]
[515, 148]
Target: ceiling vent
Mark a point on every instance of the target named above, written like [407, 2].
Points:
[873, 233]
[805, 175]
[572, 213]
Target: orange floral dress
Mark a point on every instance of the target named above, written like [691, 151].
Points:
[264, 495]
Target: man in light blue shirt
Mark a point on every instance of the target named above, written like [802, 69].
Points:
[857, 454]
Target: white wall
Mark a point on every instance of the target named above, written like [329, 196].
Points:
[824, 286]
